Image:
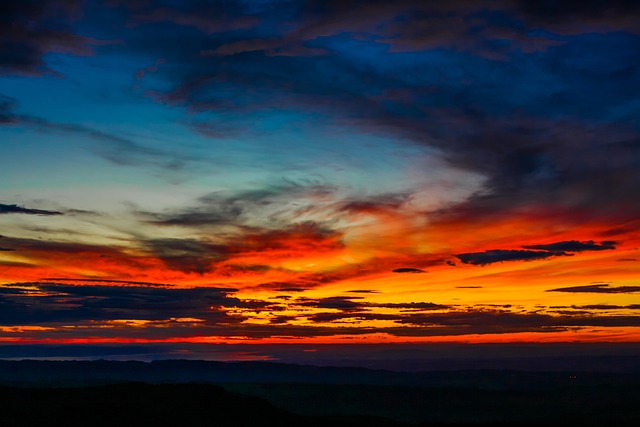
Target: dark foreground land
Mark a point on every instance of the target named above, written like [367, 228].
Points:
[181, 393]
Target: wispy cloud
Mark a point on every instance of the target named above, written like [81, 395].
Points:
[602, 288]
[15, 209]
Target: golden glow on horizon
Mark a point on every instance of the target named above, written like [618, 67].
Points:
[299, 272]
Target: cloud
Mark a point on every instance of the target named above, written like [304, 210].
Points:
[500, 255]
[602, 288]
[114, 148]
[244, 208]
[606, 307]
[574, 246]
[543, 251]
[338, 303]
[363, 291]
[408, 270]
[62, 303]
[15, 209]
[187, 255]
[33, 29]
[579, 17]
[537, 138]
[7, 109]
[64, 280]
[358, 306]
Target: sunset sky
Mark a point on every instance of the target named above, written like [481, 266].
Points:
[255, 171]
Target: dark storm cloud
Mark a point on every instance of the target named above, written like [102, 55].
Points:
[574, 246]
[15, 209]
[59, 303]
[500, 255]
[408, 270]
[602, 288]
[31, 29]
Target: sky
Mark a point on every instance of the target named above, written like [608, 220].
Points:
[315, 172]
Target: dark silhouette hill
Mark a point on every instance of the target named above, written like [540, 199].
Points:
[65, 373]
[195, 393]
[142, 405]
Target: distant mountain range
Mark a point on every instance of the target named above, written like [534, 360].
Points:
[62, 373]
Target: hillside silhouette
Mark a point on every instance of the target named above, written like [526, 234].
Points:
[197, 393]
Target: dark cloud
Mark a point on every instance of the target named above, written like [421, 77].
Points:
[352, 317]
[601, 288]
[200, 256]
[498, 321]
[110, 281]
[359, 306]
[574, 246]
[30, 30]
[187, 255]
[223, 208]
[500, 255]
[541, 252]
[527, 124]
[18, 264]
[388, 202]
[583, 16]
[7, 110]
[363, 291]
[409, 305]
[408, 270]
[338, 303]
[478, 320]
[15, 209]
[6, 249]
[60, 303]
[626, 228]
[606, 307]
[288, 288]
